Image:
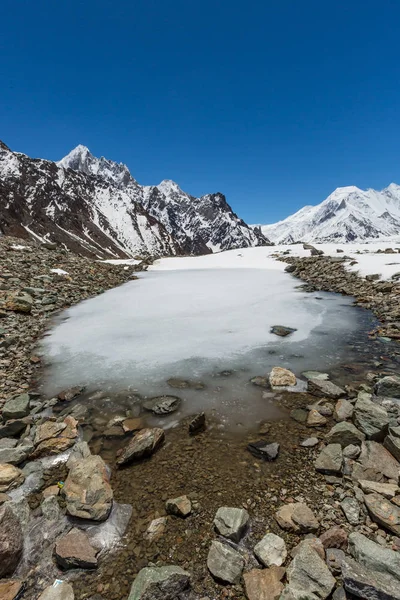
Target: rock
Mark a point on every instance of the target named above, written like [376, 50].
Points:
[371, 419]
[271, 550]
[198, 423]
[392, 442]
[70, 393]
[156, 529]
[297, 517]
[87, 491]
[180, 507]
[48, 430]
[264, 450]
[351, 510]
[11, 541]
[51, 509]
[309, 442]
[21, 511]
[4, 498]
[74, 551]
[11, 428]
[79, 451]
[160, 583]
[132, 424]
[52, 490]
[345, 434]
[15, 456]
[388, 386]
[315, 419]
[19, 302]
[315, 375]
[16, 408]
[343, 410]
[224, 563]
[325, 389]
[231, 522]
[335, 537]
[330, 460]
[378, 462]
[383, 512]
[299, 414]
[387, 490]
[314, 543]
[7, 443]
[281, 330]
[280, 377]
[143, 444]
[351, 451]
[368, 585]
[290, 268]
[59, 591]
[264, 584]
[260, 381]
[308, 574]
[11, 589]
[162, 405]
[334, 560]
[52, 447]
[373, 556]
[10, 477]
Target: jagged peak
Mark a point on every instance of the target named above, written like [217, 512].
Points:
[167, 187]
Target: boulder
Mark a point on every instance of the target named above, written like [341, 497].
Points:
[70, 393]
[351, 509]
[325, 389]
[345, 433]
[264, 584]
[15, 456]
[16, 408]
[308, 574]
[224, 563]
[11, 541]
[58, 591]
[180, 507]
[160, 583]
[11, 589]
[74, 551]
[392, 442]
[388, 386]
[297, 517]
[371, 419]
[271, 550]
[377, 462]
[10, 477]
[231, 522]
[335, 537]
[13, 427]
[383, 512]
[373, 556]
[51, 447]
[330, 460]
[162, 405]
[387, 490]
[143, 444]
[280, 377]
[264, 450]
[87, 491]
[368, 585]
[343, 410]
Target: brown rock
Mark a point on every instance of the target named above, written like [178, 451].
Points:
[280, 377]
[75, 551]
[383, 512]
[10, 477]
[52, 490]
[52, 447]
[264, 584]
[131, 424]
[313, 543]
[143, 444]
[297, 517]
[70, 393]
[180, 507]
[335, 537]
[11, 541]
[48, 430]
[315, 419]
[9, 590]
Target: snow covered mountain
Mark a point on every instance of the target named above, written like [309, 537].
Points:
[347, 215]
[94, 206]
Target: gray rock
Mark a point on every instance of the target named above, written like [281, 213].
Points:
[351, 451]
[392, 442]
[260, 381]
[309, 442]
[16, 408]
[330, 460]
[263, 450]
[373, 556]
[281, 330]
[162, 405]
[371, 419]
[8, 443]
[383, 512]
[21, 510]
[388, 386]
[11, 541]
[368, 585]
[51, 509]
[377, 462]
[61, 591]
[325, 389]
[16, 455]
[308, 574]
[74, 551]
[315, 375]
[180, 507]
[160, 583]
[345, 434]
[334, 560]
[87, 490]
[351, 509]
[271, 550]
[343, 410]
[12, 428]
[224, 563]
[231, 522]
[143, 444]
[387, 490]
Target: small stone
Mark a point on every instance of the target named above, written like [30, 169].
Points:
[75, 551]
[345, 434]
[271, 550]
[131, 425]
[315, 419]
[351, 509]
[143, 444]
[160, 583]
[387, 490]
[198, 423]
[225, 563]
[16, 408]
[162, 405]
[335, 537]
[343, 410]
[325, 389]
[330, 460]
[62, 591]
[264, 450]
[264, 584]
[315, 375]
[309, 442]
[156, 529]
[296, 517]
[282, 331]
[334, 560]
[70, 393]
[280, 377]
[19, 302]
[299, 414]
[260, 381]
[383, 512]
[231, 522]
[52, 490]
[351, 451]
[10, 477]
[180, 507]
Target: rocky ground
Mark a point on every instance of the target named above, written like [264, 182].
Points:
[105, 507]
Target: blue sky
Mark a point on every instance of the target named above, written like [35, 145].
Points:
[272, 103]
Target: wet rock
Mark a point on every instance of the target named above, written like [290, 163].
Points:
[388, 386]
[290, 268]
[315, 419]
[392, 442]
[11, 541]
[4, 498]
[11, 428]
[280, 377]
[325, 389]
[132, 424]
[16, 408]
[387, 490]
[11, 589]
[345, 434]
[371, 419]
[181, 384]
[335, 537]
[198, 423]
[156, 529]
[264, 450]
[271, 550]
[74, 551]
[260, 381]
[315, 375]
[162, 405]
[264, 584]
[19, 302]
[308, 574]
[10, 477]
[224, 563]
[299, 414]
[281, 330]
[160, 583]
[368, 585]
[351, 510]
[309, 442]
[376, 461]
[373, 556]
[58, 591]
[180, 507]
[343, 410]
[383, 512]
[231, 522]
[70, 393]
[330, 460]
[351, 451]
[15, 456]
[143, 444]
[87, 491]
[297, 517]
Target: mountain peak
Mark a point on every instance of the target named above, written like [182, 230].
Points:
[77, 159]
[168, 187]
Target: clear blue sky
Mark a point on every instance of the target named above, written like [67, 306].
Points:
[274, 103]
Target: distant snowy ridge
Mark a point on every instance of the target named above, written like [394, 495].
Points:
[349, 214]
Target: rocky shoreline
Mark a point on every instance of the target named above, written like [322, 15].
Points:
[305, 507]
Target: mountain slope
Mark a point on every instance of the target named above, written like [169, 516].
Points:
[349, 214]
